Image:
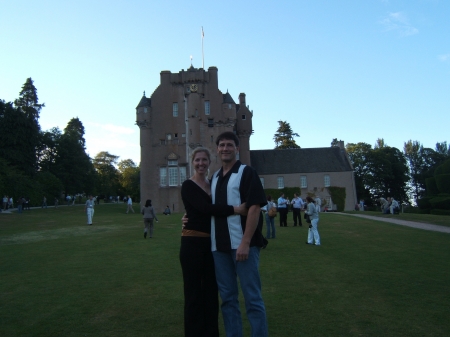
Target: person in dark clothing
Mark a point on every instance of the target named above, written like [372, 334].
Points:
[201, 303]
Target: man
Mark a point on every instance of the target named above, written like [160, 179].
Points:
[236, 240]
[5, 202]
[282, 208]
[393, 206]
[318, 202]
[130, 205]
[297, 205]
[89, 209]
[384, 205]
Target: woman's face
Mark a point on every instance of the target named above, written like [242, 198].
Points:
[201, 162]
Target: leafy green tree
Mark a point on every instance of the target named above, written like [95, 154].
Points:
[107, 174]
[48, 149]
[72, 165]
[28, 104]
[388, 173]
[284, 138]
[129, 178]
[20, 129]
[413, 154]
[360, 157]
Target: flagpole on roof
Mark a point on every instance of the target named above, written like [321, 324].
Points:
[203, 55]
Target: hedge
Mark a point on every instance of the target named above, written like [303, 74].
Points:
[440, 202]
[338, 195]
[424, 203]
[443, 182]
[431, 187]
[440, 212]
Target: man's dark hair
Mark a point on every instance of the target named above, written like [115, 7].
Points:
[229, 136]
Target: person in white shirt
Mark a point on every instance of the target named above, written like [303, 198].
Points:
[393, 206]
[297, 205]
[318, 202]
[89, 209]
[130, 205]
[282, 209]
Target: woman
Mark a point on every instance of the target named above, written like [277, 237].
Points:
[149, 214]
[201, 303]
[270, 221]
[89, 209]
[313, 232]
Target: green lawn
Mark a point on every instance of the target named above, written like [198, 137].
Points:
[441, 220]
[59, 277]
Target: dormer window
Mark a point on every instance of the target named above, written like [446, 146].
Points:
[244, 117]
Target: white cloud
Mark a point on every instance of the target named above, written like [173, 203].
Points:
[398, 22]
[444, 57]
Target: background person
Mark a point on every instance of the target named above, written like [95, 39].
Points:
[297, 205]
[313, 232]
[270, 221]
[89, 209]
[167, 210]
[149, 214]
[282, 209]
[130, 205]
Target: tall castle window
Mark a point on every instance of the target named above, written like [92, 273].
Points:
[280, 181]
[326, 180]
[303, 182]
[175, 109]
[172, 174]
[207, 108]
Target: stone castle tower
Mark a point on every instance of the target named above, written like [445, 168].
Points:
[185, 111]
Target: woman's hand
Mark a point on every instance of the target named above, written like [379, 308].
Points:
[241, 209]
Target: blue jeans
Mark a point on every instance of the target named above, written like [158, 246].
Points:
[270, 222]
[227, 271]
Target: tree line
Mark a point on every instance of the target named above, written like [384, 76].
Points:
[382, 170]
[35, 163]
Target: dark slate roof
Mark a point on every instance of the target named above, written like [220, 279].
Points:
[322, 159]
[144, 102]
[227, 98]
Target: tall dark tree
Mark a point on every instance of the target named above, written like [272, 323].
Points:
[72, 165]
[129, 178]
[412, 151]
[107, 174]
[48, 149]
[360, 157]
[284, 138]
[388, 173]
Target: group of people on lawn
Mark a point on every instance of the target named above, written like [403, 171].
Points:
[389, 205]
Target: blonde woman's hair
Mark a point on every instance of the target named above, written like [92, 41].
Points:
[200, 149]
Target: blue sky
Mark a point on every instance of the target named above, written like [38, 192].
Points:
[356, 70]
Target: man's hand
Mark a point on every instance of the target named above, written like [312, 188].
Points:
[184, 221]
[242, 252]
[252, 222]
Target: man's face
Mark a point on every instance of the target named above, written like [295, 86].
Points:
[227, 150]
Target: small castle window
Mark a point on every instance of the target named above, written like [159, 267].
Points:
[207, 108]
[244, 117]
[175, 109]
[210, 122]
